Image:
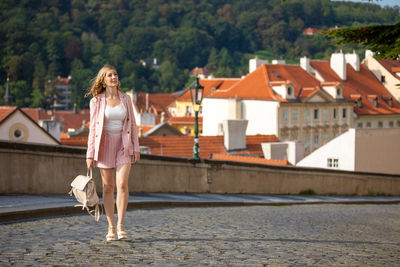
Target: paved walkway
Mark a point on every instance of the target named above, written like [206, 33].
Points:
[294, 235]
[13, 207]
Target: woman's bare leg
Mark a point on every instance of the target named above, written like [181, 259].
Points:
[107, 176]
[122, 191]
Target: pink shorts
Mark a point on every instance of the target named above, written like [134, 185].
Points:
[111, 152]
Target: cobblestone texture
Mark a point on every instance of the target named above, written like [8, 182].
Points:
[314, 235]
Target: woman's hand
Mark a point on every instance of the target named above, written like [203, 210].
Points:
[136, 157]
[89, 163]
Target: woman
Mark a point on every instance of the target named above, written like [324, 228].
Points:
[112, 144]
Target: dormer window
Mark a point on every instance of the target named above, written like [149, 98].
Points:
[387, 99]
[289, 91]
[359, 103]
[373, 99]
[338, 92]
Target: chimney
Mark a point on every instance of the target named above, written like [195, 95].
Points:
[369, 53]
[52, 127]
[84, 124]
[235, 134]
[147, 102]
[338, 64]
[255, 63]
[353, 60]
[162, 117]
[305, 63]
[292, 151]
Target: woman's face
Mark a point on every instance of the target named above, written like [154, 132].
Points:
[111, 78]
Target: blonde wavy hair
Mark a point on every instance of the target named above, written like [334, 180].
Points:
[97, 86]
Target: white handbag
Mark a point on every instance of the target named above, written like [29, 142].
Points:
[84, 190]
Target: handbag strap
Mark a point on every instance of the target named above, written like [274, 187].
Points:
[89, 171]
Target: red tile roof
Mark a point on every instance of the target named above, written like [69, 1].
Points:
[5, 111]
[200, 71]
[184, 120]
[66, 117]
[258, 84]
[73, 141]
[249, 159]
[211, 85]
[159, 102]
[391, 65]
[61, 80]
[182, 146]
[145, 128]
[362, 83]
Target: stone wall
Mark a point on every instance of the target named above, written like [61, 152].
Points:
[46, 169]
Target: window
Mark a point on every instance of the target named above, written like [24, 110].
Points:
[335, 113]
[383, 79]
[391, 124]
[359, 125]
[316, 115]
[368, 125]
[325, 139]
[380, 124]
[338, 92]
[307, 143]
[316, 141]
[333, 163]
[344, 114]
[325, 114]
[336, 163]
[294, 114]
[307, 115]
[398, 123]
[17, 133]
[188, 110]
[284, 115]
[289, 91]
[330, 163]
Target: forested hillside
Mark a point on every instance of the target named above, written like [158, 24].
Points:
[43, 39]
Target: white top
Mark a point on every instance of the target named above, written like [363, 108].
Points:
[114, 119]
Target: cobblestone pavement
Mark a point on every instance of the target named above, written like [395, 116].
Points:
[306, 235]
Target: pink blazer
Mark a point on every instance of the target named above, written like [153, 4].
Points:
[130, 138]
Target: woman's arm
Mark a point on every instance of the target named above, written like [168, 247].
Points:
[92, 130]
[133, 128]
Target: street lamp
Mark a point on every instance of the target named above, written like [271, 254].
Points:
[196, 94]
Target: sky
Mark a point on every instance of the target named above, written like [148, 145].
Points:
[381, 2]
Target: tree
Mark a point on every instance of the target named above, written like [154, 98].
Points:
[21, 92]
[382, 39]
[38, 98]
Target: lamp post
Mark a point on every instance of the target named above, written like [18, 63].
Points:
[196, 94]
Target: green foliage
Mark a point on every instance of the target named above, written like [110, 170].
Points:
[38, 98]
[383, 39]
[45, 39]
[309, 192]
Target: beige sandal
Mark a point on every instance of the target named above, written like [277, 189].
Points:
[111, 234]
[121, 232]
